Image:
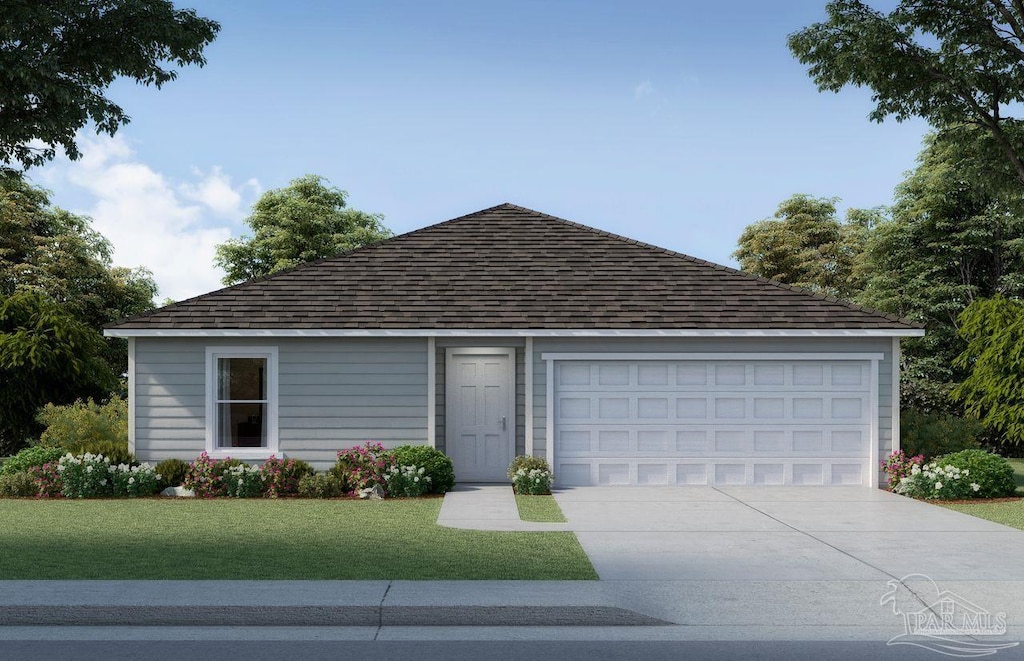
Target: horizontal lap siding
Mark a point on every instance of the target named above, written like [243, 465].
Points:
[714, 345]
[332, 394]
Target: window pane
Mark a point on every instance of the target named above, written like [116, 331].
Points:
[242, 378]
[241, 425]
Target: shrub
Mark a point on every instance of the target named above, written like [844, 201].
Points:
[528, 463]
[281, 476]
[363, 466]
[243, 481]
[206, 475]
[990, 471]
[47, 479]
[134, 481]
[18, 485]
[407, 481]
[85, 476]
[31, 457]
[76, 425]
[115, 452]
[898, 466]
[967, 474]
[437, 464]
[532, 482]
[320, 485]
[172, 472]
[935, 434]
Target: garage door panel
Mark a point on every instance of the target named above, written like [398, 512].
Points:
[712, 422]
[576, 441]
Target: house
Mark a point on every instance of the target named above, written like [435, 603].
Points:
[509, 331]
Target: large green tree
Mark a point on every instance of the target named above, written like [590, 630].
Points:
[58, 57]
[805, 244]
[304, 221]
[993, 331]
[46, 355]
[953, 239]
[57, 254]
[955, 63]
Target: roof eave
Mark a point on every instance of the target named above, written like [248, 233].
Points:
[513, 332]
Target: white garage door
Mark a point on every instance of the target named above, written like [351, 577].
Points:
[722, 422]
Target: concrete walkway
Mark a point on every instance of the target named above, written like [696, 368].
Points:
[487, 507]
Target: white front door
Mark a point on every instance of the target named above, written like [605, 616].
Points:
[480, 412]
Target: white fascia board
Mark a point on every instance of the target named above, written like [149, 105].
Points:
[514, 332]
[733, 355]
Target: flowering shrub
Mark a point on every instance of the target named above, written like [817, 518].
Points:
[134, 481]
[281, 476]
[533, 481]
[898, 466]
[363, 466]
[437, 464]
[206, 475]
[407, 481]
[47, 479]
[85, 476]
[527, 463]
[243, 481]
[934, 480]
[961, 475]
[31, 457]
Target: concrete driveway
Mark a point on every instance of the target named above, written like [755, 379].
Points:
[784, 534]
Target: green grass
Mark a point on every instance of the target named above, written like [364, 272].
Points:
[1009, 513]
[539, 508]
[1018, 473]
[268, 539]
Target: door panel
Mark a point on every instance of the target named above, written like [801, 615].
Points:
[481, 413]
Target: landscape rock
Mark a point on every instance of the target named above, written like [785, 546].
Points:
[178, 492]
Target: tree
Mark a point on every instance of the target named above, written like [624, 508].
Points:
[57, 59]
[955, 63]
[953, 239]
[307, 220]
[46, 355]
[993, 330]
[58, 254]
[805, 245]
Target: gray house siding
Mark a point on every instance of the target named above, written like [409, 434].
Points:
[739, 346]
[332, 394]
[338, 392]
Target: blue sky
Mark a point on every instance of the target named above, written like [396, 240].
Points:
[677, 123]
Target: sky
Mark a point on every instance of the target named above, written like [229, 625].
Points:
[677, 123]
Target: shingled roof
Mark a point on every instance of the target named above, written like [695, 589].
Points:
[511, 268]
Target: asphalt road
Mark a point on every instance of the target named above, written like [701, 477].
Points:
[474, 650]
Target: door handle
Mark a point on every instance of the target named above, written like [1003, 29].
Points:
[503, 423]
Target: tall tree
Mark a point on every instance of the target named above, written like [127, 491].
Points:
[953, 239]
[304, 221]
[951, 62]
[46, 355]
[993, 331]
[805, 244]
[57, 254]
[58, 57]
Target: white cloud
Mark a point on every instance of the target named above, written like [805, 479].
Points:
[644, 88]
[169, 227]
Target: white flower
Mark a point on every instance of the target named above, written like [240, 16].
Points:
[975, 486]
[938, 485]
[88, 469]
[131, 480]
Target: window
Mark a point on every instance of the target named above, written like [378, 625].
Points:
[241, 401]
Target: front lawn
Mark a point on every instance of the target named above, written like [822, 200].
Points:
[1007, 512]
[268, 539]
[543, 509]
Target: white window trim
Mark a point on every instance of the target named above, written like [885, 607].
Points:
[271, 356]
